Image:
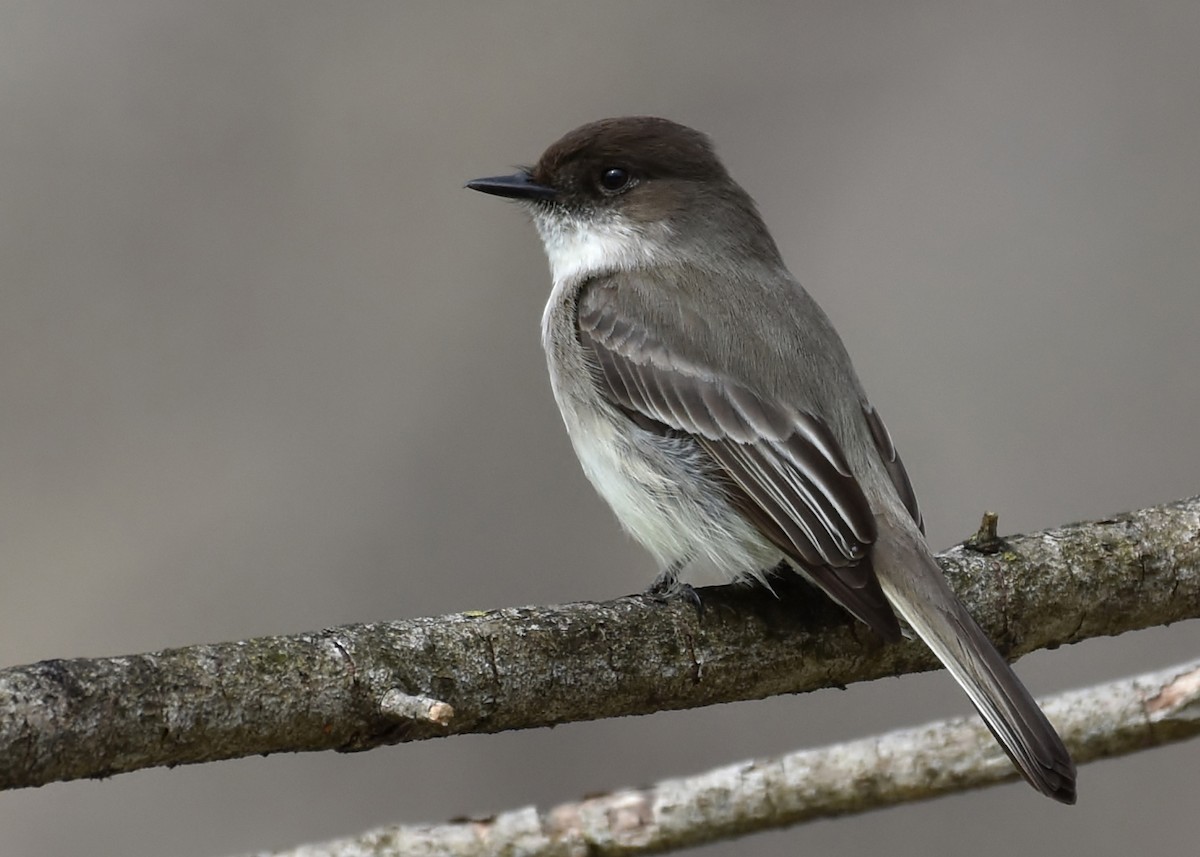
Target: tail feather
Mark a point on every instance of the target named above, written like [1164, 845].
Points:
[915, 586]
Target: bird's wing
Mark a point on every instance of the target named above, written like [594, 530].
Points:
[895, 467]
[787, 473]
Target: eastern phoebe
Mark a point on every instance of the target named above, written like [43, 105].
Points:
[714, 407]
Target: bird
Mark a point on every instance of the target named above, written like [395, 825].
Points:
[715, 409]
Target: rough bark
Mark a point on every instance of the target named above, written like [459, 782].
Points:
[900, 767]
[361, 686]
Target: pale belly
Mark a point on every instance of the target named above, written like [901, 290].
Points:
[661, 489]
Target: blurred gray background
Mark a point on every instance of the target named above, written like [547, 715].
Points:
[265, 367]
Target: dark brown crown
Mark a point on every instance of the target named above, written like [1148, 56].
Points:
[649, 147]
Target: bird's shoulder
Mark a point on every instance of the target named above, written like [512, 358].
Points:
[759, 329]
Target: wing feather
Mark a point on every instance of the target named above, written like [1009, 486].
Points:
[787, 472]
[895, 467]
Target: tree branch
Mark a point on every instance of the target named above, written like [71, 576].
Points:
[900, 767]
[855, 777]
[361, 686]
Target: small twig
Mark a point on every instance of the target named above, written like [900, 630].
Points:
[985, 540]
[402, 706]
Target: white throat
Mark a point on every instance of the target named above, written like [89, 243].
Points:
[581, 248]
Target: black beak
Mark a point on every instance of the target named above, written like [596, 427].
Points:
[517, 186]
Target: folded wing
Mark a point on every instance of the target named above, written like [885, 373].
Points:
[786, 471]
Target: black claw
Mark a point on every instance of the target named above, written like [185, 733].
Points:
[688, 593]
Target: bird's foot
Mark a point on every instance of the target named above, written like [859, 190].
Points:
[668, 587]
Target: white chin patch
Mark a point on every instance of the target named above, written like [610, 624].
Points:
[579, 248]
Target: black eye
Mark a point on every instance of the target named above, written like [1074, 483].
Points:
[614, 178]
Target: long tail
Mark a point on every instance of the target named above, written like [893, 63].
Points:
[915, 586]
